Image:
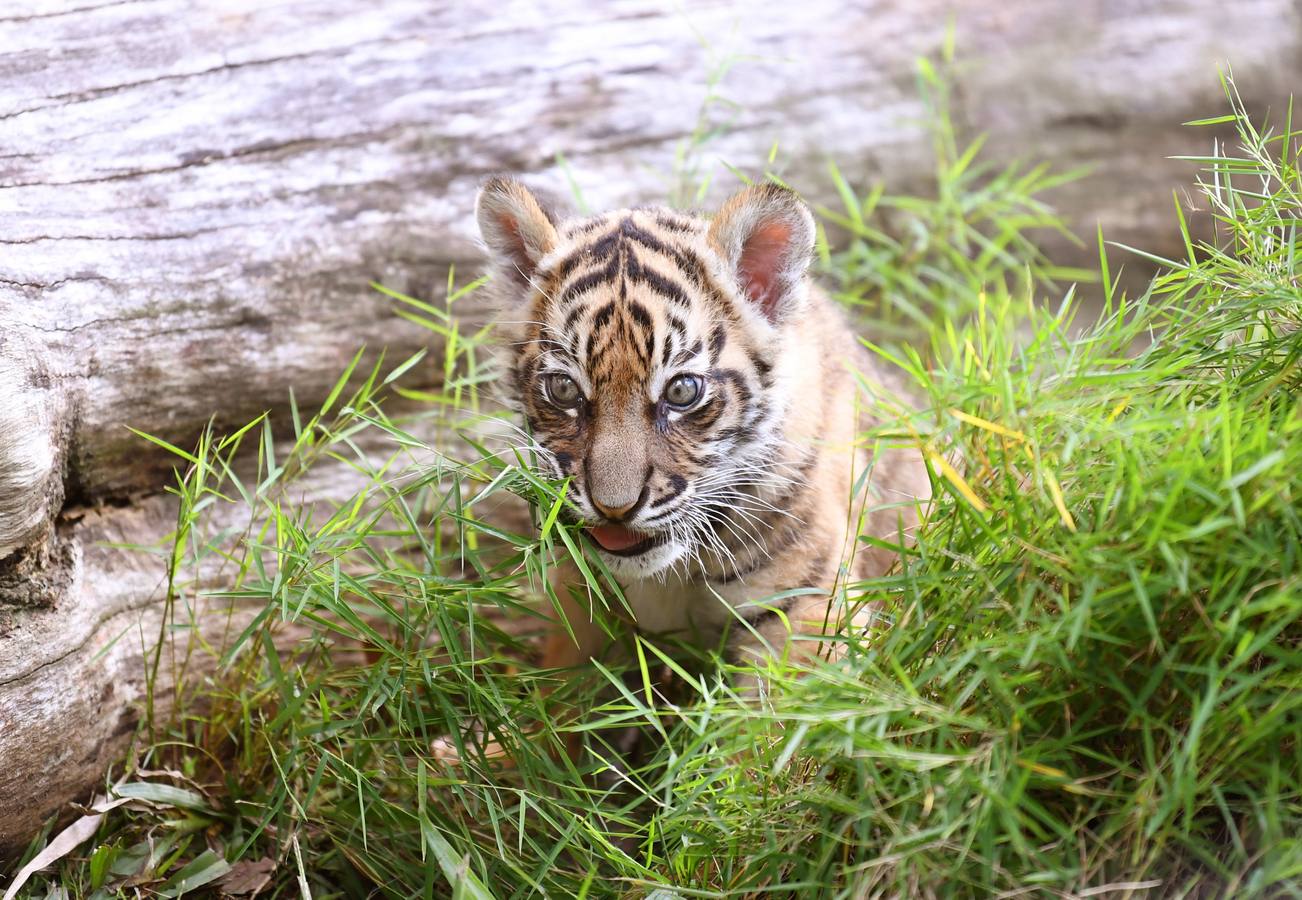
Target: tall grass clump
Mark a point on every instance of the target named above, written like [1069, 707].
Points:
[1091, 682]
[1087, 680]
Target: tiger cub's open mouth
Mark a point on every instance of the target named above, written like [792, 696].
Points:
[623, 541]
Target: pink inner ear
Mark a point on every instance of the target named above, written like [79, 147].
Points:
[511, 228]
[762, 259]
[517, 250]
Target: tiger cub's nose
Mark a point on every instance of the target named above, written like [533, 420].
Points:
[617, 490]
[617, 480]
[617, 512]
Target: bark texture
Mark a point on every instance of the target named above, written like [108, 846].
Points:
[193, 198]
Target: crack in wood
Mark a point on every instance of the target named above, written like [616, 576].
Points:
[89, 94]
[208, 157]
[76, 10]
[91, 633]
[174, 236]
[40, 285]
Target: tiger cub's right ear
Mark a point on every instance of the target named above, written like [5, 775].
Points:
[766, 234]
[516, 227]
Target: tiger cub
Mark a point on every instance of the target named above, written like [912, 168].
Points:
[700, 394]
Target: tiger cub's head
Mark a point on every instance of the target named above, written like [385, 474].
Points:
[644, 351]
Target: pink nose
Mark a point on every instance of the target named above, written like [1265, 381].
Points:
[616, 512]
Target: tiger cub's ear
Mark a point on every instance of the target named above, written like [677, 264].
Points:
[517, 228]
[766, 234]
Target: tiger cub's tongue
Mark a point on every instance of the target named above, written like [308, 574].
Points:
[615, 537]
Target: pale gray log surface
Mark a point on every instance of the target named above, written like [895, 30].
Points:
[194, 196]
[71, 693]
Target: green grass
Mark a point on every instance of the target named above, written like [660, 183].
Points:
[1091, 682]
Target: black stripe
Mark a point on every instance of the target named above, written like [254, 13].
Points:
[589, 281]
[599, 321]
[575, 229]
[640, 314]
[562, 269]
[571, 319]
[717, 339]
[643, 345]
[738, 382]
[597, 250]
[678, 484]
[605, 245]
[678, 331]
[687, 354]
[742, 433]
[691, 265]
[706, 415]
[673, 223]
[670, 290]
[527, 371]
[642, 320]
[764, 368]
[602, 316]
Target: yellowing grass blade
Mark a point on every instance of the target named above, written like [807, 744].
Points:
[987, 425]
[1056, 493]
[1042, 769]
[952, 476]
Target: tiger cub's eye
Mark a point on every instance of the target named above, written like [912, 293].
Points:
[683, 391]
[563, 391]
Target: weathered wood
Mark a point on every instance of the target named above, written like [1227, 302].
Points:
[32, 435]
[74, 677]
[193, 200]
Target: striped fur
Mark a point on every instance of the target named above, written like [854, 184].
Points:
[743, 495]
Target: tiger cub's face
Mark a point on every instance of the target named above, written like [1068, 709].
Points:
[643, 349]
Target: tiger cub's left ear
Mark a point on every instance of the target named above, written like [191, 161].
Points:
[766, 234]
[517, 227]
